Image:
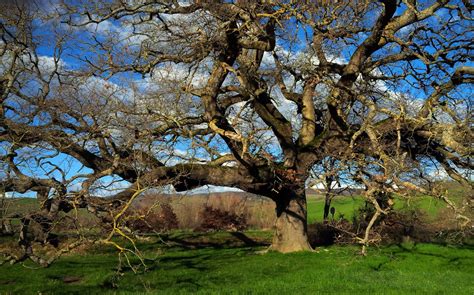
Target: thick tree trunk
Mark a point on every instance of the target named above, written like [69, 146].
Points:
[291, 223]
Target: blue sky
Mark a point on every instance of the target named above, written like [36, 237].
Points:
[73, 53]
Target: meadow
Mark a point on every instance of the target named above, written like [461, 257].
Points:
[183, 261]
[221, 263]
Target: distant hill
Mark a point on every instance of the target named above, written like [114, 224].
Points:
[146, 200]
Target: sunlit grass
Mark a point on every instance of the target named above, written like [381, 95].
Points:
[222, 263]
[218, 264]
[347, 206]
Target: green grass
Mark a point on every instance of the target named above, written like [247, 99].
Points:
[429, 205]
[347, 206]
[223, 263]
[22, 205]
[217, 264]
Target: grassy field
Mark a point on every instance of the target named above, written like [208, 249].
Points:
[222, 264]
[231, 263]
[347, 206]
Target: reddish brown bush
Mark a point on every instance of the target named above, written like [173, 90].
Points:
[217, 219]
[258, 211]
[169, 220]
[146, 221]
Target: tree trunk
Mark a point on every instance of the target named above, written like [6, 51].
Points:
[5, 228]
[327, 206]
[291, 230]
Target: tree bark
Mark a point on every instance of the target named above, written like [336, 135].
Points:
[291, 230]
[5, 228]
[327, 206]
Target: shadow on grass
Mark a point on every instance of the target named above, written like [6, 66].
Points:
[246, 240]
[235, 240]
[204, 245]
[413, 249]
[194, 262]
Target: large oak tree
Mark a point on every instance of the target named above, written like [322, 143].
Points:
[244, 94]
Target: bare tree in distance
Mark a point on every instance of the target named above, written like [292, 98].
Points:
[333, 178]
[244, 94]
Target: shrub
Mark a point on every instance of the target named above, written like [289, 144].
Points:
[411, 225]
[396, 227]
[325, 234]
[218, 219]
[258, 211]
[169, 220]
[147, 221]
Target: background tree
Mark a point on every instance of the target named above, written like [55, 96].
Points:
[333, 177]
[241, 94]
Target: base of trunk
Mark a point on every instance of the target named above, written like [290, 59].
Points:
[5, 228]
[290, 227]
